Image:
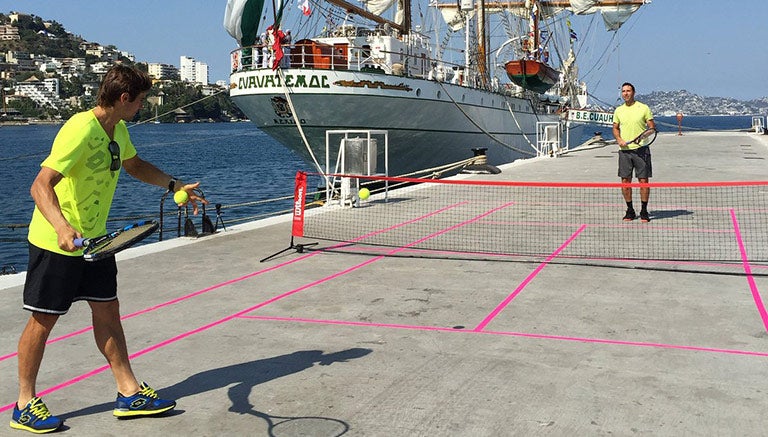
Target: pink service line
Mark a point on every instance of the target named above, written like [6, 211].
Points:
[195, 331]
[527, 280]
[511, 334]
[527, 256]
[610, 226]
[255, 307]
[748, 270]
[242, 278]
[171, 302]
[450, 228]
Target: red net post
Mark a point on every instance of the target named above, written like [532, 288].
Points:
[299, 201]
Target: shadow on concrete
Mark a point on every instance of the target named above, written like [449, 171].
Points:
[245, 376]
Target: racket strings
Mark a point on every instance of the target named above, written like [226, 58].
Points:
[121, 240]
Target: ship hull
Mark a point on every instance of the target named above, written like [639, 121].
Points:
[429, 123]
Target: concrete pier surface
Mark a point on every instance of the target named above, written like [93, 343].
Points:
[329, 344]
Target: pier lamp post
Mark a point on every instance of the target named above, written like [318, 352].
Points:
[679, 123]
[3, 90]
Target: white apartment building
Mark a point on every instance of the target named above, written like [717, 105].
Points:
[192, 70]
[43, 92]
[201, 73]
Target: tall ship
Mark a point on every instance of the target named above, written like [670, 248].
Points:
[468, 74]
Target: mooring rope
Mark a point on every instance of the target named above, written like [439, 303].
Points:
[489, 134]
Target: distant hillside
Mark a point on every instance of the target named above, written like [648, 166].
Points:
[665, 103]
[43, 37]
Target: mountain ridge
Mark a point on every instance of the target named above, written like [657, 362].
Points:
[668, 103]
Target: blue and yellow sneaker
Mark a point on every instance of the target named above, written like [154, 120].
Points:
[35, 417]
[144, 403]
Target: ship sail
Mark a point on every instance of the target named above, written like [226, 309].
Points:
[614, 12]
[455, 18]
[241, 20]
[378, 6]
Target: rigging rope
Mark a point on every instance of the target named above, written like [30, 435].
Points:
[180, 107]
[490, 135]
[514, 117]
[298, 124]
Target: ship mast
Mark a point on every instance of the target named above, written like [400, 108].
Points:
[483, 37]
[534, 26]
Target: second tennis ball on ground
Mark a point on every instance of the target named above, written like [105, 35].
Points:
[363, 193]
[180, 197]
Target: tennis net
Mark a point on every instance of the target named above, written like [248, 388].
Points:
[710, 221]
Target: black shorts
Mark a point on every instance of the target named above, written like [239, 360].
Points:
[54, 281]
[638, 160]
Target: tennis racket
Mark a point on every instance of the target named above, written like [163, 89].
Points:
[646, 138]
[109, 244]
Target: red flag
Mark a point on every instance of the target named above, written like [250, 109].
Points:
[277, 48]
[299, 200]
[305, 8]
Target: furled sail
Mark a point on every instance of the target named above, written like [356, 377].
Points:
[400, 14]
[523, 9]
[377, 6]
[241, 20]
[614, 15]
[456, 18]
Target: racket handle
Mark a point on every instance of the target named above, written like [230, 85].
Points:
[81, 242]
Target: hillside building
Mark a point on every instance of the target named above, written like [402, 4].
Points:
[191, 70]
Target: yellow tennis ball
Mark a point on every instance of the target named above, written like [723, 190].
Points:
[180, 197]
[363, 193]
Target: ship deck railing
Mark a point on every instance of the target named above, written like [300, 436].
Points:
[251, 58]
[347, 57]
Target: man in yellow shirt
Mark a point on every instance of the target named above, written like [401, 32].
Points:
[629, 121]
[73, 194]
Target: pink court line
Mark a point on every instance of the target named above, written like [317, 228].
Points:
[645, 227]
[527, 280]
[369, 249]
[242, 278]
[196, 331]
[510, 334]
[748, 270]
[656, 208]
[255, 307]
[173, 301]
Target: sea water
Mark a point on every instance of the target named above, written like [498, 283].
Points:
[236, 164]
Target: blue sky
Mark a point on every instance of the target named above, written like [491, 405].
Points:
[708, 47]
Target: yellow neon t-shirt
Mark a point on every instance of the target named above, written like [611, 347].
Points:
[80, 153]
[632, 121]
